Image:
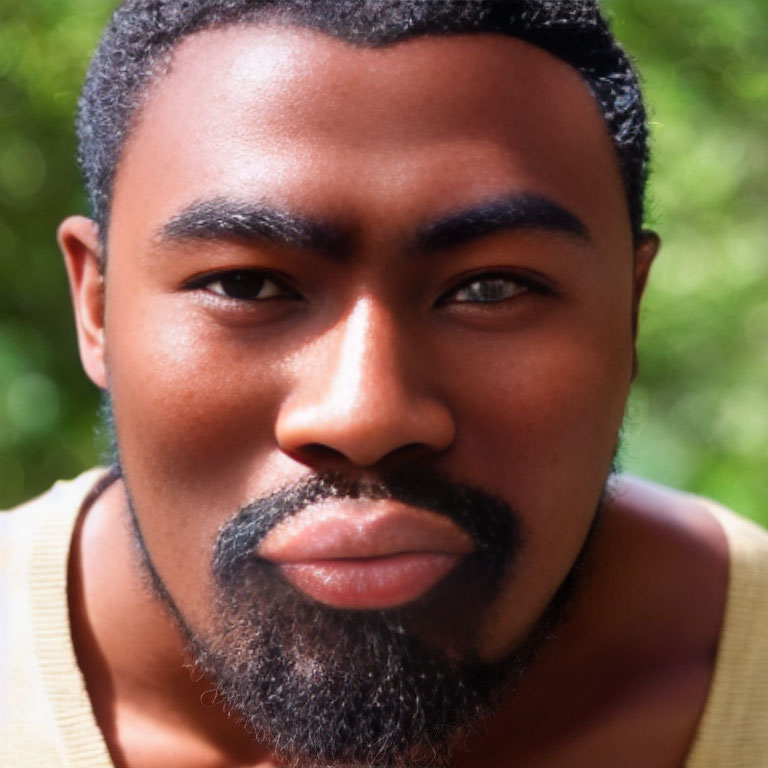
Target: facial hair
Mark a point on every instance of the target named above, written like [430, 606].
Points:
[398, 688]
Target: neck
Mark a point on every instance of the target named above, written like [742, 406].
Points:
[145, 694]
[148, 702]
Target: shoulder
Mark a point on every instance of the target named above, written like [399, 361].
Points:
[40, 686]
[674, 539]
[652, 501]
[732, 730]
[63, 501]
[708, 539]
[35, 537]
[699, 522]
[61, 492]
[691, 520]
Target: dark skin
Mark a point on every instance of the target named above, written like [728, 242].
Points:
[499, 354]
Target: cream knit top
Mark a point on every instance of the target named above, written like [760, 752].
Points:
[46, 719]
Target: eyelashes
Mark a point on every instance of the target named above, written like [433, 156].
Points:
[493, 288]
[246, 285]
[254, 285]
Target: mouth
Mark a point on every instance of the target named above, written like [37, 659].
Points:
[365, 555]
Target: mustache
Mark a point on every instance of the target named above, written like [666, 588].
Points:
[490, 521]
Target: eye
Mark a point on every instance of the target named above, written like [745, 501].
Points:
[490, 289]
[245, 285]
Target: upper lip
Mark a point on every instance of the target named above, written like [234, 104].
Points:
[362, 529]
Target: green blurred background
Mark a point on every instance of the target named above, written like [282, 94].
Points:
[698, 418]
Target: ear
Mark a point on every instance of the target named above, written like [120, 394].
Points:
[79, 242]
[645, 253]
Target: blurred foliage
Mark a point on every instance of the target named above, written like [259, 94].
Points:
[46, 405]
[698, 418]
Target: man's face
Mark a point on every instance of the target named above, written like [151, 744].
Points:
[343, 262]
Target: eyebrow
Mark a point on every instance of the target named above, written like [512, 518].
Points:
[224, 219]
[509, 213]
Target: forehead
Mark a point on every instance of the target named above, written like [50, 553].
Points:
[312, 121]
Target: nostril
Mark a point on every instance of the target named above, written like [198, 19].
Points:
[406, 454]
[317, 452]
[318, 455]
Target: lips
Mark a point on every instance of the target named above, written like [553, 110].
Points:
[359, 554]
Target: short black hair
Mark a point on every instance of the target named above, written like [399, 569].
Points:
[142, 34]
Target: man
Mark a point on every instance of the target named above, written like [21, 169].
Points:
[362, 284]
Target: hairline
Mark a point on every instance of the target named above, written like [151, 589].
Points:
[585, 43]
[164, 64]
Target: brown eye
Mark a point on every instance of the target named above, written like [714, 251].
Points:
[246, 285]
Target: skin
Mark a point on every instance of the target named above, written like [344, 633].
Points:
[370, 354]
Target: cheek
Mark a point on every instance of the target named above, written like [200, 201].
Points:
[187, 398]
[550, 403]
[544, 434]
[193, 416]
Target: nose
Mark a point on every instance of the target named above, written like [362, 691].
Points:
[360, 394]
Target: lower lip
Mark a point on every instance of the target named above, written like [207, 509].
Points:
[370, 583]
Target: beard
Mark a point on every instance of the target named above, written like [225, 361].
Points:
[395, 688]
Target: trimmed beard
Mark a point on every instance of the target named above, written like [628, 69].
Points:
[325, 687]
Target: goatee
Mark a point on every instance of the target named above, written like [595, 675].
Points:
[399, 688]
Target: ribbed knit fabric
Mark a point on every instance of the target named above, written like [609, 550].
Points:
[46, 720]
[733, 732]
